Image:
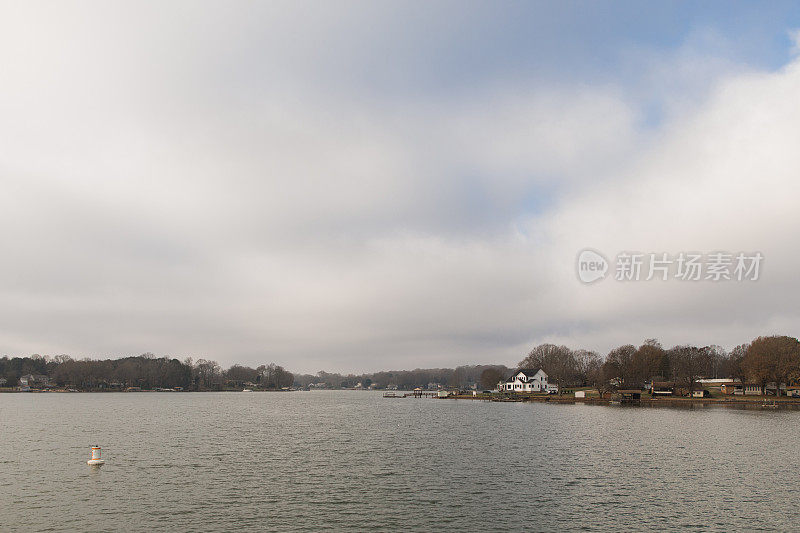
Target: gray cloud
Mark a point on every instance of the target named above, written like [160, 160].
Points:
[225, 184]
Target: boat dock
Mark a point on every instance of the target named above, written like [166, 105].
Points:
[412, 394]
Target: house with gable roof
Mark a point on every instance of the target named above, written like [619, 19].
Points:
[526, 380]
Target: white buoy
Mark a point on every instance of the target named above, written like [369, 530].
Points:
[95, 460]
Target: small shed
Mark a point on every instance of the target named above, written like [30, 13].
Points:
[580, 394]
[700, 393]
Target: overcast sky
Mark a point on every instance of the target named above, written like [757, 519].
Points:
[355, 186]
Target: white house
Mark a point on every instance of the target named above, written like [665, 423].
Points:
[30, 381]
[526, 380]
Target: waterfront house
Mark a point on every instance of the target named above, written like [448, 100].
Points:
[663, 388]
[751, 389]
[33, 381]
[775, 389]
[700, 393]
[739, 389]
[526, 380]
[630, 394]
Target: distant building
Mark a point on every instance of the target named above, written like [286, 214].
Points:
[748, 389]
[33, 381]
[663, 388]
[700, 393]
[775, 389]
[526, 380]
[629, 395]
[730, 387]
[3, 382]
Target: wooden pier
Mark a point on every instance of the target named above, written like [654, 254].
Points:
[412, 394]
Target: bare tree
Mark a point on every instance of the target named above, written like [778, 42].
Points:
[588, 367]
[689, 365]
[649, 362]
[772, 359]
[619, 365]
[459, 378]
[208, 374]
[240, 375]
[490, 378]
[558, 362]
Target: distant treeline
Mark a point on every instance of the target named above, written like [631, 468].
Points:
[774, 359]
[485, 376]
[145, 371]
[150, 372]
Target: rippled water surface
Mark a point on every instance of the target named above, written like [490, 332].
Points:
[307, 461]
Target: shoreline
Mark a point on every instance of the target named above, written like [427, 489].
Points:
[759, 401]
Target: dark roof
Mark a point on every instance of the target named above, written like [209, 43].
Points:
[529, 372]
[664, 384]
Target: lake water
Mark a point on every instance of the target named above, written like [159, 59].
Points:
[306, 461]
